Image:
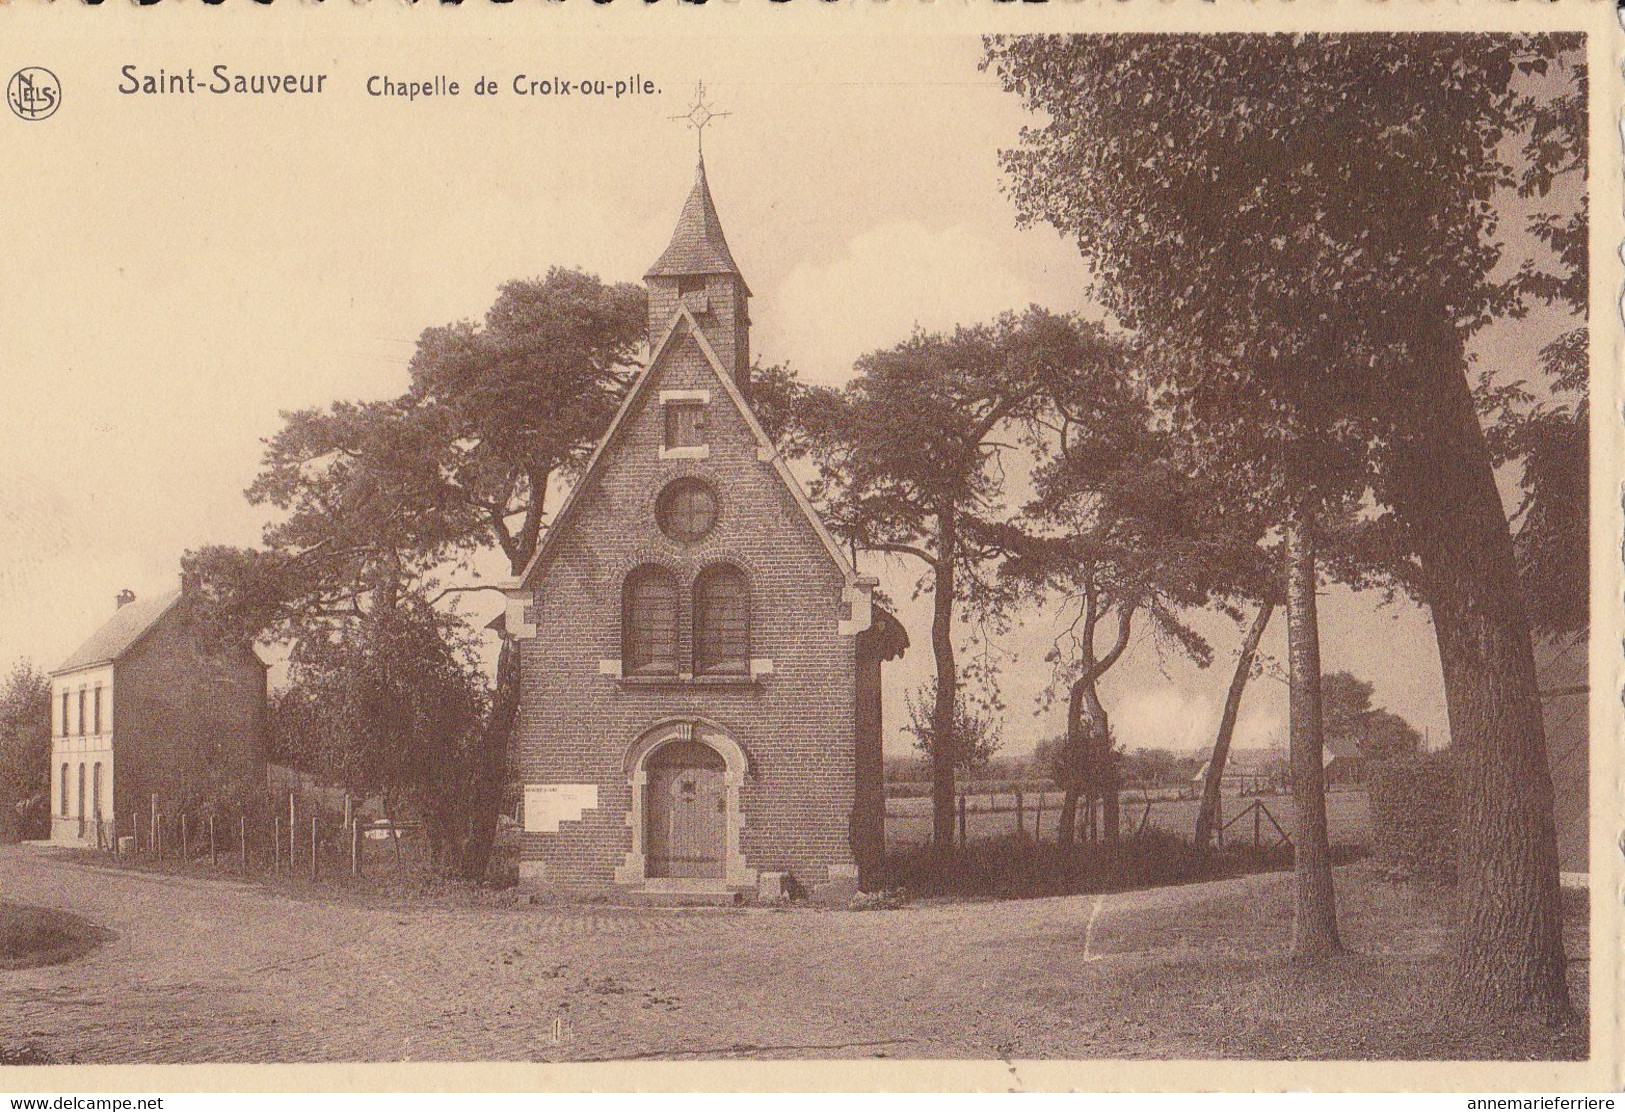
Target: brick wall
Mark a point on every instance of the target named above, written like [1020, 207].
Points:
[796, 726]
[184, 719]
[726, 320]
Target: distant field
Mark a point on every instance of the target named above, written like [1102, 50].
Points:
[908, 821]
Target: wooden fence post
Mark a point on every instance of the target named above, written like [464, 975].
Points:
[242, 841]
[161, 838]
[355, 847]
[1038, 820]
[292, 826]
[185, 845]
[276, 843]
[1021, 818]
[313, 847]
[135, 832]
[961, 818]
[214, 855]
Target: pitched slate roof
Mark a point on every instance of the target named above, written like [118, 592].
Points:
[698, 245]
[128, 625]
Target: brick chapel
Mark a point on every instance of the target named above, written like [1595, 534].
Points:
[700, 663]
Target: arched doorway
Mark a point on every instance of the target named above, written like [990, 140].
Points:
[686, 777]
[686, 811]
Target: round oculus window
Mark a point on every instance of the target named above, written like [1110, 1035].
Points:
[686, 510]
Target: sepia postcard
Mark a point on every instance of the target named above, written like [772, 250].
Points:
[882, 546]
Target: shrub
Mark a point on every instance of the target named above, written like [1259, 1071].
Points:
[1013, 866]
[1413, 816]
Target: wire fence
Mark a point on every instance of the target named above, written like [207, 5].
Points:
[293, 840]
[997, 814]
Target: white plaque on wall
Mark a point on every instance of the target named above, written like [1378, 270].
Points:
[547, 805]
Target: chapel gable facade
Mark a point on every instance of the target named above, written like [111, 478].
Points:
[700, 665]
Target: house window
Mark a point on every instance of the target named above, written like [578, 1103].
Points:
[64, 791]
[96, 705]
[96, 791]
[686, 510]
[685, 425]
[649, 623]
[81, 712]
[722, 622]
[81, 792]
[64, 714]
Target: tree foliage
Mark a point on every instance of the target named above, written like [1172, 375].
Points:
[1304, 234]
[931, 485]
[391, 706]
[523, 397]
[25, 737]
[1354, 727]
[975, 736]
[1270, 214]
[378, 504]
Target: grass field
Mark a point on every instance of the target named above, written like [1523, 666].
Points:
[34, 936]
[908, 821]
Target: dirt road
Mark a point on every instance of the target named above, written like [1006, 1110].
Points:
[205, 969]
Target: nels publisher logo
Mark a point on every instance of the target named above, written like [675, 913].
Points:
[34, 93]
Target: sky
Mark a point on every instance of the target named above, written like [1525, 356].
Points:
[186, 268]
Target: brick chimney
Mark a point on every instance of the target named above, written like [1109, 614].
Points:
[125, 597]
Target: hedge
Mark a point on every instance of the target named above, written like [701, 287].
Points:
[1413, 815]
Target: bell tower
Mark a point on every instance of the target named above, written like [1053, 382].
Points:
[698, 272]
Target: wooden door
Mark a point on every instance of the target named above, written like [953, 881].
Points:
[687, 812]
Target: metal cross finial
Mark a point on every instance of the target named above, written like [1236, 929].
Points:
[700, 114]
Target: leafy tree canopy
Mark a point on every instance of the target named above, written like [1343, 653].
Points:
[1272, 214]
[1354, 727]
[25, 733]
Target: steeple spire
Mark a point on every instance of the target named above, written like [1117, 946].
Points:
[697, 246]
[697, 273]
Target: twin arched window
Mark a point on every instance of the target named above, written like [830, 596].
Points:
[649, 623]
[722, 622]
[721, 614]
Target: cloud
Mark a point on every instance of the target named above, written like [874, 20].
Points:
[1164, 718]
[825, 314]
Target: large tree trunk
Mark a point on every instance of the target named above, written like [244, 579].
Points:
[942, 712]
[1207, 815]
[1072, 785]
[1510, 949]
[1314, 921]
[1086, 729]
[492, 764]
[1111, 813]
